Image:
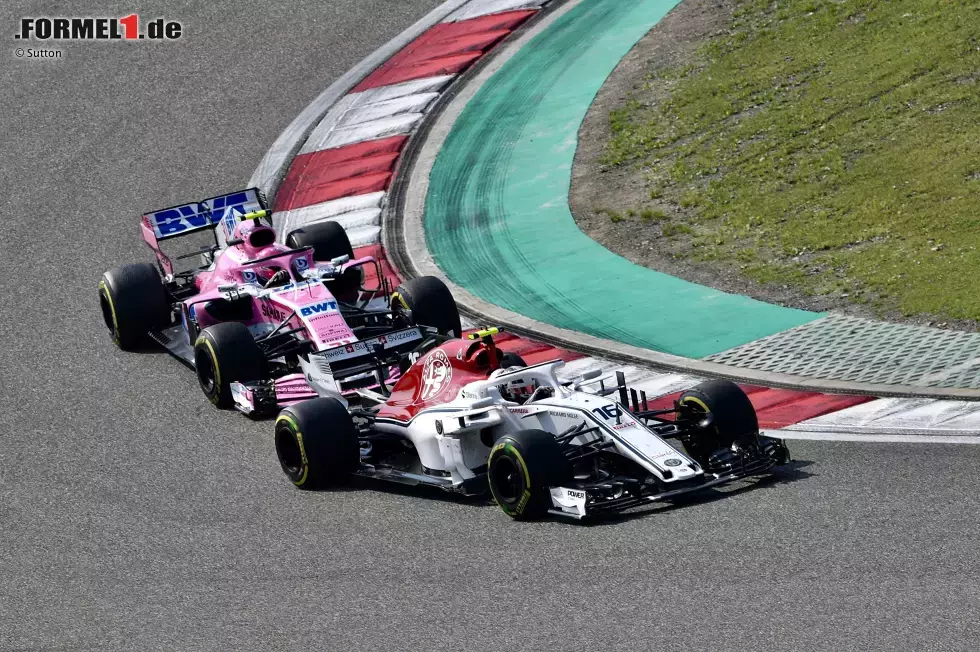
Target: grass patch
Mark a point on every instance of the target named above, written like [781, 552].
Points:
[674, 228]
[838, 142]
[614, 216]
[690, 199]
[652, 215]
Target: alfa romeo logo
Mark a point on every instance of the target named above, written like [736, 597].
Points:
[436, 374]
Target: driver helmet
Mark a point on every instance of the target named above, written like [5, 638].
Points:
[518, 390]
[265, 274]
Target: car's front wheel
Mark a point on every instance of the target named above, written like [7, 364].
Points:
[719, 414]
[316, 443]
[521, 470]
[223, 354]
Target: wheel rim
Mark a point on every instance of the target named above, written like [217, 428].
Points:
[205, 372]
[696, 413]
[506, 479]
[287, 449]
[707, 441]
[695, 408]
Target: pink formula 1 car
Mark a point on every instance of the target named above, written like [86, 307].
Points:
[264, 324]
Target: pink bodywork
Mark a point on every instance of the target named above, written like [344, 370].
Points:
[310, 303]
[307, 303]
[290, 389]
[314, 306]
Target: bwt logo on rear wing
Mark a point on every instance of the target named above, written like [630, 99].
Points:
[226, 210]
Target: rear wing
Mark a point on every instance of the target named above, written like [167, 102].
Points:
[376, 354]
[363, 355]
[225, 211]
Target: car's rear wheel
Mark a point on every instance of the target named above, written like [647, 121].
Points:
[728, 414]
[316, 443]
[223, 354]
[431, 304]
[508, 359]
[329, 241]
[521, 470]
[133, 301]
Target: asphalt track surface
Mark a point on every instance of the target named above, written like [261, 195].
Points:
[133, 516]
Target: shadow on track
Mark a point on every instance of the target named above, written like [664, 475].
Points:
[792, 472]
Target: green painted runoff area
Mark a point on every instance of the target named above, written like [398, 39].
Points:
[497, 219]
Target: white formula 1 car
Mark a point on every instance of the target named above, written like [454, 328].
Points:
[464, 416]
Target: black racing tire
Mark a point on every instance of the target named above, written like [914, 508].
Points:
[431, 303]
[508, 359]
[329, 241]
[225, 353]
[522, 468]
[733, 418]
[134, 301]
[316, 443]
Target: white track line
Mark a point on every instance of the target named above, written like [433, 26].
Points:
[375, 113]
[336, 209]
[906, 416]
[363, 236]
[477, 8]
[268, 175]
[875, 439]
[395, 125]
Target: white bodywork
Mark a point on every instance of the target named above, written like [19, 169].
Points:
[452, 437]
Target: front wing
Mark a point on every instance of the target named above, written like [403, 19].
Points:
[588, 499]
